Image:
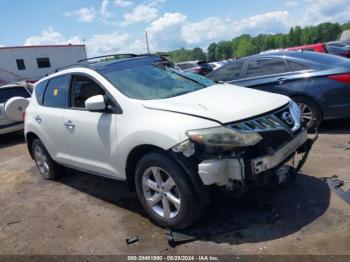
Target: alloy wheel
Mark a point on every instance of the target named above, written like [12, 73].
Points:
[41, 161]
[161, 192]
[306, 114]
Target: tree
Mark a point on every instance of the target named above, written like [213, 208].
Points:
[211, 51]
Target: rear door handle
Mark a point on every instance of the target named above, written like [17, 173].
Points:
[38, 119]
[281, 80]
[69, 124]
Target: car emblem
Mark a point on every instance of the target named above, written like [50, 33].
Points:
[288, 118]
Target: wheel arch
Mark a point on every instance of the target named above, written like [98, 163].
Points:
[30, 137]
[310, 98]
[189, 166]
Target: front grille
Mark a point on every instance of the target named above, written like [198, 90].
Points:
[283, 119]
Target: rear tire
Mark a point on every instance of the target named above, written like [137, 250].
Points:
[311, 115]
[166, 193]
[47, 167]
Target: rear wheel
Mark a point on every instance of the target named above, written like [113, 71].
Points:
[311, 116]
[165, 192]
[48, 168]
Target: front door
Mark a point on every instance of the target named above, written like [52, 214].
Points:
[91, 136]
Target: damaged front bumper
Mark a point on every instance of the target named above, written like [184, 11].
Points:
[235, 171]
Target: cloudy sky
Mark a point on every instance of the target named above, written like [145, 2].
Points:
[111, 26]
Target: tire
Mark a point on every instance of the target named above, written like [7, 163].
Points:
[310, 113]
[184, 206]
[47, 167]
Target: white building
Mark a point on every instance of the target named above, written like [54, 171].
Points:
[30, 63]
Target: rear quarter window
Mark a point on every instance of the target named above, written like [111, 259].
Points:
[39, 91]
[56, 92]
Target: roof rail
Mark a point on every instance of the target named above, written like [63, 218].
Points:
[115, 57]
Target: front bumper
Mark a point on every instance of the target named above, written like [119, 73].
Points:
[228, 171]
[261, 164]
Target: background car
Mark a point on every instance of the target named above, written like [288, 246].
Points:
[200, 67]
[6, 92]
[319, 83]
[216, 65]
[341, 48]
[319, 47]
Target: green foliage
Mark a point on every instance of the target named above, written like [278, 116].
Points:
[245, 45]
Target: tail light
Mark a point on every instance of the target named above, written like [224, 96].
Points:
[24, 115]
[345, 78]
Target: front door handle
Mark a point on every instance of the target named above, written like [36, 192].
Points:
[69, 124]
[38, 119]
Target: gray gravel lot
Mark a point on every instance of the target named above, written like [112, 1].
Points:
[85, 214]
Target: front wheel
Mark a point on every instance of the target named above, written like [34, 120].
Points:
[165, 192]
[311, 116]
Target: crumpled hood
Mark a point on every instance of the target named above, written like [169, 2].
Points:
[222, 102]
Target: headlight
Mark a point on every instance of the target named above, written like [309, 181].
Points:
[222, 136]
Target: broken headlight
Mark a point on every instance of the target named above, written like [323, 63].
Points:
[224, 137]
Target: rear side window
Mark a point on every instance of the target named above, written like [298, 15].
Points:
[228, 72]
[39, 91]
[56, 92]
[7, 93]
[297, 67]
[263, 67]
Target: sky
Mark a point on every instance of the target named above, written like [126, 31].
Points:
[118, 26]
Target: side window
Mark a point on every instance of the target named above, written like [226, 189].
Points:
[297, 67]
[263, 67]
[228, 72]
[56, 92]
[83, 88]
[39, 91]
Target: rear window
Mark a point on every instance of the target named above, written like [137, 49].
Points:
[56, 92]
[39, 91]
[7, 93]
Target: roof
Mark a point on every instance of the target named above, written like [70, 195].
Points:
[38, 46]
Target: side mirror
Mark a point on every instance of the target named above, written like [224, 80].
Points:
[95, 103]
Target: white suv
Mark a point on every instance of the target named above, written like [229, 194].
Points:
[168, 134]
[7, 93]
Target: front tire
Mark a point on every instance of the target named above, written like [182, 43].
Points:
[47, 167]
[166, 193]
[311, 115]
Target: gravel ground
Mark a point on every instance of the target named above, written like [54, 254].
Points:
[85, 214]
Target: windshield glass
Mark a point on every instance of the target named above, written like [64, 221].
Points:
[152, 80]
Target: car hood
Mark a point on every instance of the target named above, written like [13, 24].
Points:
[223, 103]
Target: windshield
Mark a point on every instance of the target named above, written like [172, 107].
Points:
[152, 80]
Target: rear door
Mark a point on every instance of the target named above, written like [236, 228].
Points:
[48, 118]
[91, 135]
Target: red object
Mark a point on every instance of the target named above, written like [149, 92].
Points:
[345, 78]
[320, 47]
[24, 115]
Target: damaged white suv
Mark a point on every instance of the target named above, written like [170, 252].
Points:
[169, 135]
